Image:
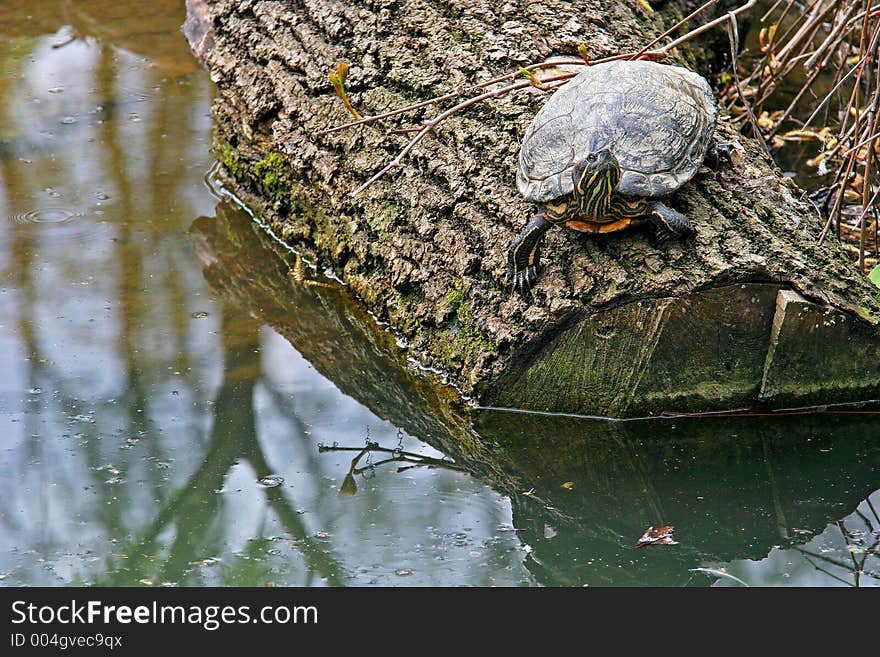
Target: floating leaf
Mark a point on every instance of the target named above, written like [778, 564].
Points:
[146, 582]
[568, 485]
[271, 481]
[661, 535]
[210, 561]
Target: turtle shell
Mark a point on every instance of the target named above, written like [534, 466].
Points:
[657, 119]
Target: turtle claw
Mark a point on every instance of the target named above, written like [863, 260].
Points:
[662, 237]
[720, 155]
[524, 279]
[524, 254]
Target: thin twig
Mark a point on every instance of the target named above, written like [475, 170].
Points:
[430, 125]
[733, 37]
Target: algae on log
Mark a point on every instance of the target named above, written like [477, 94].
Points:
[425, 247]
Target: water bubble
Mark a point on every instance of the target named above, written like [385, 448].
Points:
[69, 120]
[271, 481]
[56, 90]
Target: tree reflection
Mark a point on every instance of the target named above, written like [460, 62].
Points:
[233, 438]
[106, 384]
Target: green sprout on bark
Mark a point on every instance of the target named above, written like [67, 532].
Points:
[337, 79]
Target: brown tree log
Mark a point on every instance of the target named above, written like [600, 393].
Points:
[616, 325]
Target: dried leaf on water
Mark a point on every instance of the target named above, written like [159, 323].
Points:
[659, 536]
[568, 485]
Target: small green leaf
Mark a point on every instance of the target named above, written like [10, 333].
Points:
[874, 276]
[526, 72]
[582, 51]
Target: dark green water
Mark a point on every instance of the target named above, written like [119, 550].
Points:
[174, 411]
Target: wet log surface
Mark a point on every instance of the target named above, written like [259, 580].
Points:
[425, 247]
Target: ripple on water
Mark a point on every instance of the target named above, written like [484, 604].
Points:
[60, 226]
[45, 216]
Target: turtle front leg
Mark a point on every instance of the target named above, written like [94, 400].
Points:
[669, 222]
[523, 254]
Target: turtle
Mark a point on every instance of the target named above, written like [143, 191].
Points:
[606, 149]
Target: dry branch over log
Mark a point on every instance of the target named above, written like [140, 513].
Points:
[425, 247]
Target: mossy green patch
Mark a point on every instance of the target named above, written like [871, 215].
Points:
[270, 172]
[463, 340]
[230, 159]
[383, 218]
[467, 325]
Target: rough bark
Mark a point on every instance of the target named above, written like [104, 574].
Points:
[425, 248]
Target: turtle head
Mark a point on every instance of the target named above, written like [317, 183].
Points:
[595, 178]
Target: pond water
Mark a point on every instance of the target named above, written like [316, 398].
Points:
[175, 411]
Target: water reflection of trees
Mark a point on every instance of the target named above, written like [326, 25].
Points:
[845, 553]
[102, 311]
[232, 439]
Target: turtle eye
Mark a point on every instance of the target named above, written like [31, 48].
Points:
[591, 157]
